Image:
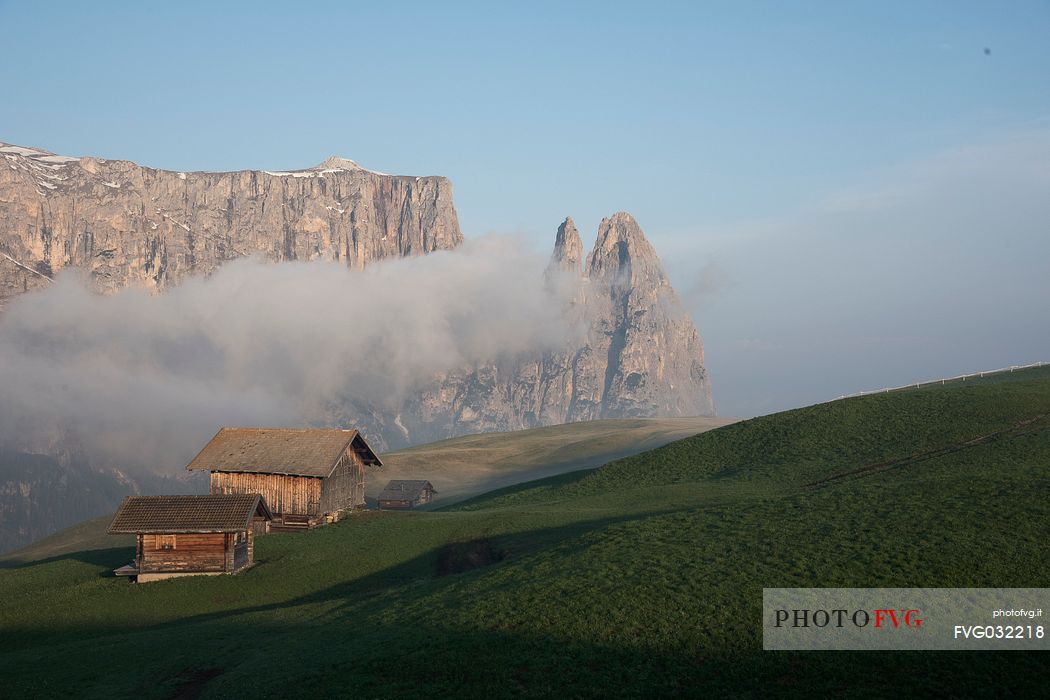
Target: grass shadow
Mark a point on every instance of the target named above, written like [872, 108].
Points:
[109, 558]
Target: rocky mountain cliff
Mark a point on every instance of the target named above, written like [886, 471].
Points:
[638, 355]
[124, 223]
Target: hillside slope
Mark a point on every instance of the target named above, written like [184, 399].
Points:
[477, 463]
[40, 494]
[458, 467]
[642, 578]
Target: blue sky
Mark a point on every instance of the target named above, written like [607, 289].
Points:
[846, 194]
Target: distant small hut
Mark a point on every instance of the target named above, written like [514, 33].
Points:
[307, 476]
[190, 535]
[402, 494]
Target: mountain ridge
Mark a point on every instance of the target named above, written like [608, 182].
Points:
[128, 224]
[123, 224]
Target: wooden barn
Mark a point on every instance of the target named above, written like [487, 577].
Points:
[406, 493]
[304, 474]
[189, 535]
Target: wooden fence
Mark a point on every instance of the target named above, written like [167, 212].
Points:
[945, 380]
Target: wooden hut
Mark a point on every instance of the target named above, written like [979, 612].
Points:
[304, 474]
[402, 494]
[189, 535]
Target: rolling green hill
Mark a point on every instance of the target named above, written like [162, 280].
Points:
[641, 578]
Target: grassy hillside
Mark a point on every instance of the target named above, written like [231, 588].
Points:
[641, 578]
[88, 535]
[458, 467]
[479, 463]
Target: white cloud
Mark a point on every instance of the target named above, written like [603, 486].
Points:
[142, 381]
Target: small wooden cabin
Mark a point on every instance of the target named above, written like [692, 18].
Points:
[406, 493]
[189, 535]
[304, 474]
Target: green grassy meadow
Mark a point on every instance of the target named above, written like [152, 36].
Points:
[642, 578]
[458, 468]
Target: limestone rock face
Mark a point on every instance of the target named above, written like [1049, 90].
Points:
[568, 248]
[634, 351]
[655, 357]
[124, 224]
[637, 355]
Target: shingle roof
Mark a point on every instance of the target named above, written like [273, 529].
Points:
[296, 451]
[164, 514]
[404, 489]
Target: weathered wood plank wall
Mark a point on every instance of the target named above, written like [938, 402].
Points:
[283, 494]
[345, 488]
[188, 552]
